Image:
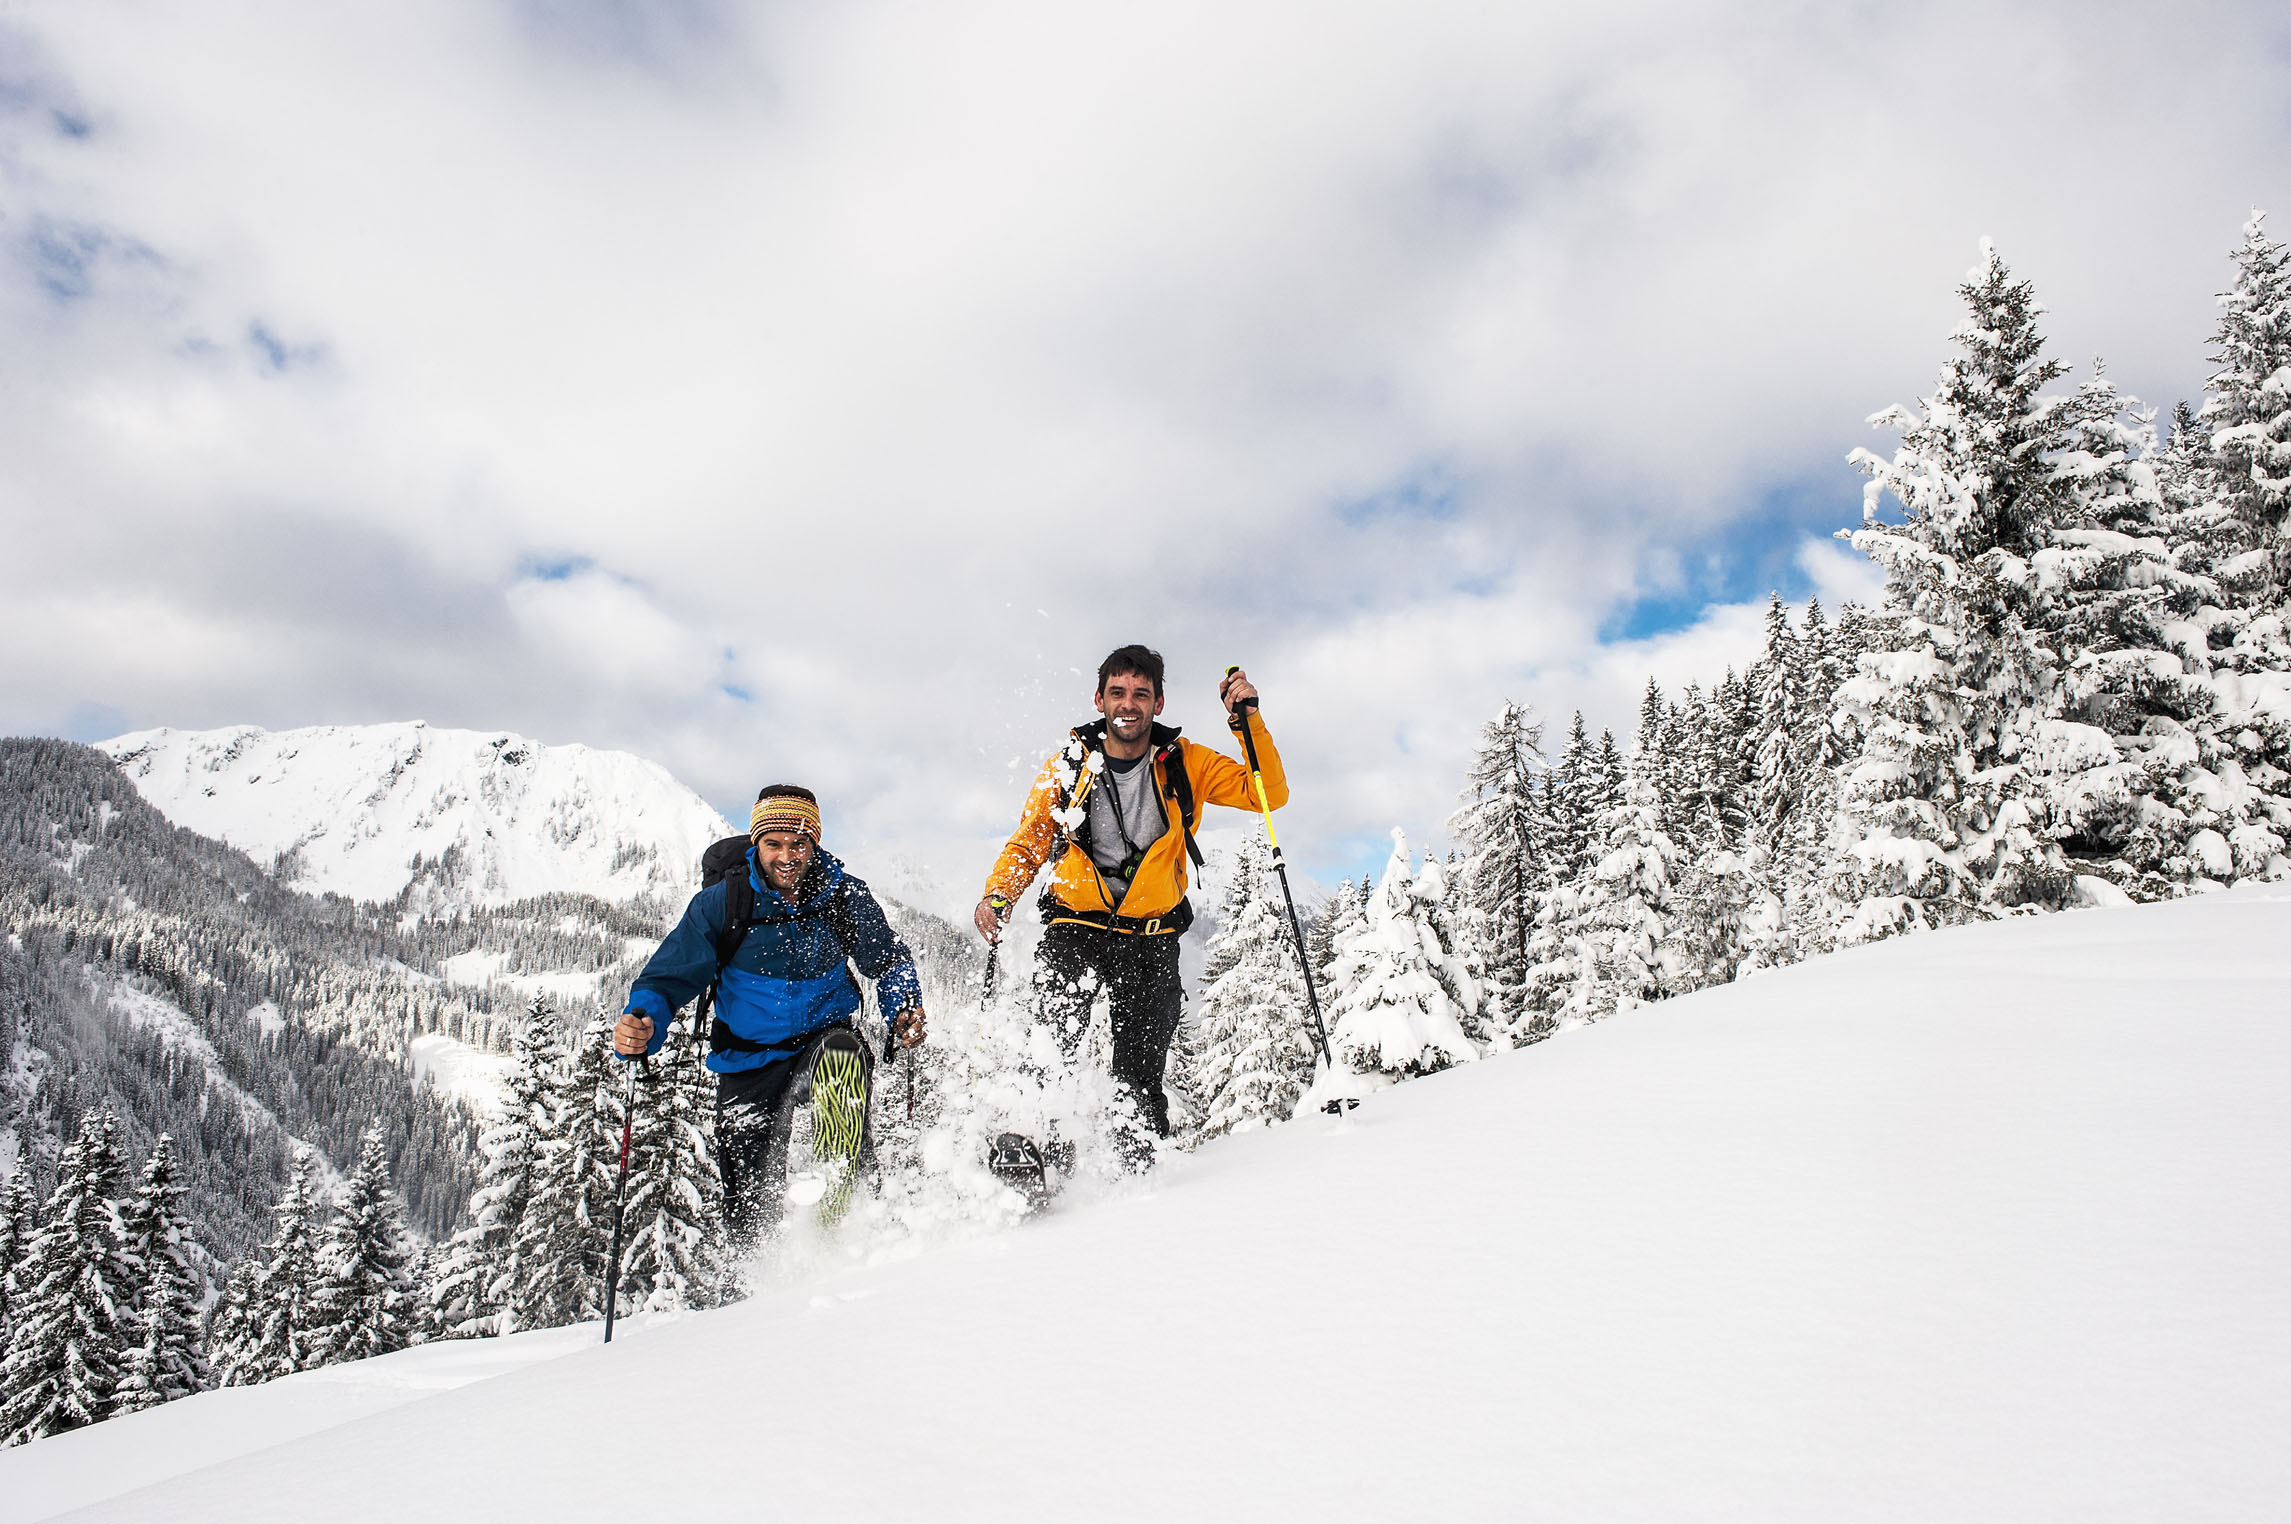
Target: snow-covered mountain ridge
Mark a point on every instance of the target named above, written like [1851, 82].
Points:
[1980, 1224]
[461, 817]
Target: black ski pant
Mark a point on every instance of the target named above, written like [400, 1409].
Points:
[1144, 994]
[752, 1116]
[755, 1112]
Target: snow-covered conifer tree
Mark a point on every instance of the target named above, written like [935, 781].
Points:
[366, 1297]
[2247, 406]
[231, 1321]
[165, 1358]
[676, 1255]
[1574, 804]
[1624, 943]
[1255, 1049]
[1947, 804]
[2167, 799]
[559, 1248]
[75, 1292]
[18, 1227]
[1777, 757]
[279, 1330]
[1503, 830]
[1395, 1015]
[474, 1288]
[1345, 913]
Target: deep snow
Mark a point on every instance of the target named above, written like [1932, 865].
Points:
[1986, 1224]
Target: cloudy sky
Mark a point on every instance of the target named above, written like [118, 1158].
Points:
[818, 390]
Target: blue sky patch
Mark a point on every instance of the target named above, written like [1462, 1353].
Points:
[1427, 492]
[95, 722]
[64, 256]
[1752, 555]
[534, 569]
[275, 354]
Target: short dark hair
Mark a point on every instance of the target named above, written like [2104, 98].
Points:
[1131, 661]
[785, 791]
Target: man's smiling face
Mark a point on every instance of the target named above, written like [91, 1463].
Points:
[1129, 703]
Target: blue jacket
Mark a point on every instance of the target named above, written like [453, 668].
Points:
[788, 979]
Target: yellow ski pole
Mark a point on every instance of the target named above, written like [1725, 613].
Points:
[1281, 867]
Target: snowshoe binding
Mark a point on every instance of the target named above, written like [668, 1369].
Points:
[838, 1120]
[1017, 1163]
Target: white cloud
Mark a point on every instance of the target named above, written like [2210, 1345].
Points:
[836, 342]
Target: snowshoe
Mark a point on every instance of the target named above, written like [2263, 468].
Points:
[838, 1120]
[1017, 1163]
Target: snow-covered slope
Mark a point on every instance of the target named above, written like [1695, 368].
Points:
[476, 818]
[1987, 1224]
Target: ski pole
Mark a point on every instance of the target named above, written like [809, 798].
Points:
[1281, 867]
[994, 952]
[620, 1202]
[910, 1061]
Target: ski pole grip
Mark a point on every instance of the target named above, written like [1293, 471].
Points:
[1247, 703]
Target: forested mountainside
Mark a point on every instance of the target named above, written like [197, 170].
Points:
[171, 977]
[168, 976]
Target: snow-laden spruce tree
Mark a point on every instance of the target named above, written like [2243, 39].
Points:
[2247, 403]
[1394, 1015]
[165, 1356]
[1572, 804]
[18, 1227]
[1621, 915]
[280, 1329]
[1946, 811]
[75, 1294]
[676, 1255]
[560, 1244]
[1508, 844]
[1253, 1042]
[474, 1287]
[1345, 913]
[1778, 750]
[1460, 936]
[231, 1320]
[366, 1292]
[2170, 799]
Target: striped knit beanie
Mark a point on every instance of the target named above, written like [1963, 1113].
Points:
[785, 807]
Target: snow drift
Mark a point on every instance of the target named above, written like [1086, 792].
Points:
[467, 817]
[1981, 1224]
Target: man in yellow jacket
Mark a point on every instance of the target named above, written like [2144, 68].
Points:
[1113, 814]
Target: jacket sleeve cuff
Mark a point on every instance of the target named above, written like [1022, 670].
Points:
[898, 990]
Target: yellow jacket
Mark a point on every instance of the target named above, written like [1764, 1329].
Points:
[1160, 883]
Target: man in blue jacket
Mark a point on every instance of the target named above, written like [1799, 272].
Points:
[789, 982]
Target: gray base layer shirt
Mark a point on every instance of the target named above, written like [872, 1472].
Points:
[1126, 817]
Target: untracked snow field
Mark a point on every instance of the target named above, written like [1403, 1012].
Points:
[1989, 1224]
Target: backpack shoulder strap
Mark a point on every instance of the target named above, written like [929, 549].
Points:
[1181, 789]
[739, 915]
